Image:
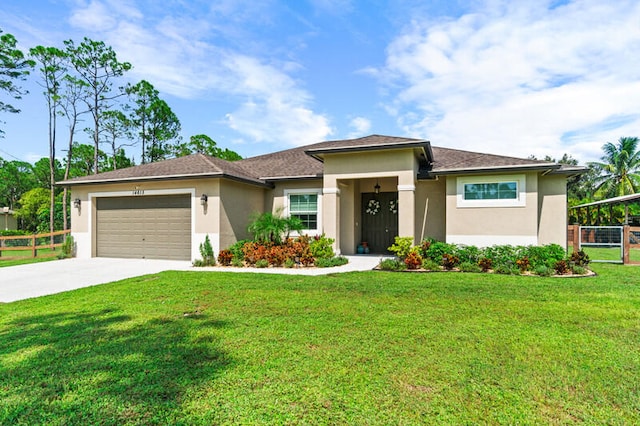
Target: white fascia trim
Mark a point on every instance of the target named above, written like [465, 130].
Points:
[520, 179]
[492, 240]
[318, 191]
[406, 188]
[195, 203]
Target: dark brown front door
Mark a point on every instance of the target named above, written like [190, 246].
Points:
[379, 220]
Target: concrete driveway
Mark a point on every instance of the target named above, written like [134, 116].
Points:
[39, 279]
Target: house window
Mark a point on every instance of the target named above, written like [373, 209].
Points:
[491, 191]
[305, 205]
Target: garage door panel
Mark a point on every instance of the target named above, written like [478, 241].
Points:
[152, 227]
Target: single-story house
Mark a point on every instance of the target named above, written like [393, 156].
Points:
[7, 219]
[366, 189]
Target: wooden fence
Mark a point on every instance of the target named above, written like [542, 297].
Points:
[32, 243]
[630, 239]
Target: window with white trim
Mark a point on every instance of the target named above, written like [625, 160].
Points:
[491, 191]
[305, 205]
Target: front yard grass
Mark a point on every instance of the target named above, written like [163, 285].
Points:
[358, 348]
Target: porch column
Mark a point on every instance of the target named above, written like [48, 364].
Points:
[331, 215]
[407, 211]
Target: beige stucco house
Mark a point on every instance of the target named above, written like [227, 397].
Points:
[367, 189]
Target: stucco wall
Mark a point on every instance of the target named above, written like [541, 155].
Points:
[205, 219]
[367, 164]
[486, 226]
[275, 199]
[552, 202]
[238, 203]
[431, 199]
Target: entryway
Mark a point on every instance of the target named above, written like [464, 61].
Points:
[379, 220]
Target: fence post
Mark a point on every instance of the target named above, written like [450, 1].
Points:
[626, 238]
[576, 238]
[33, 245]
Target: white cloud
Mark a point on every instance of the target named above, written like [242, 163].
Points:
[277, 110]
[361, 127]
[184, 56]
[520, 79]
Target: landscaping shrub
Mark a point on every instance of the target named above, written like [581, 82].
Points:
[468, 254]
[506, 270]
[424, 247]
[236, 249]
[450, 261]
[253, 252]
[325, 262]
[225, 257]
[430, 265]
[504, 256]
[206, 254]
[322, 247]
[469, 267]
[289, 263]
[437, 249]
[561, 267]
[413, 260]
[485, 264]
[238, 263]
[262, 263]
[578, 270]
[66, 248]
[276, 255]
[579, 258]
[402, 247]
[392, 265]
[543, 271]
[523, 264]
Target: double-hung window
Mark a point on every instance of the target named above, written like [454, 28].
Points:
[305, 205]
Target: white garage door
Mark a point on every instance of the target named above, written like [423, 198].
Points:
[144, 227]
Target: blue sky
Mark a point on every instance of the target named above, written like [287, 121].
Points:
[506, 77]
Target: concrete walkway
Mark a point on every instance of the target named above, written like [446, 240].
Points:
[40, 279]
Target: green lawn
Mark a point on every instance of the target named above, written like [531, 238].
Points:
[359, 348]
[610, 253]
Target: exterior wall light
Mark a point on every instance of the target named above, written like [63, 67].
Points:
[203, 199]
[76, 203]
[377, 187]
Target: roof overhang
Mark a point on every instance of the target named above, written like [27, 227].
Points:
[549, 168]
[614, 200]
[422, 148]
[137, 179]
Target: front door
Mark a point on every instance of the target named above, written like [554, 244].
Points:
[379, 220]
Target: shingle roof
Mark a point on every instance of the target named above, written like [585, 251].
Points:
[446, 160]
[304, 162]
[189, 166]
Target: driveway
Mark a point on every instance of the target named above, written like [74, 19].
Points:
[39, 279]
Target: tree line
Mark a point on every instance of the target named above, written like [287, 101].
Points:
[80, 84]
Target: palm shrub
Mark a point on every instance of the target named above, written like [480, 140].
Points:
[273, 228]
